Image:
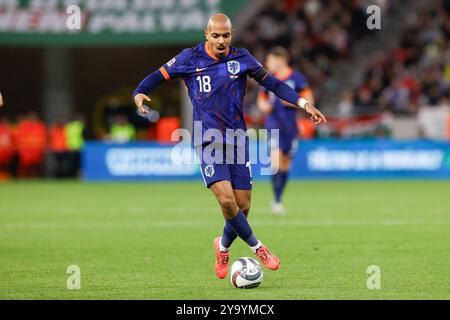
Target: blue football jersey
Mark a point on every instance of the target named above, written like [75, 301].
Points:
[284, 117]
[215, 86]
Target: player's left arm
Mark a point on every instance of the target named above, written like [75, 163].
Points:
[283, 91]
[306, 93]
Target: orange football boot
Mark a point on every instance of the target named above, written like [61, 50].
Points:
[221, 265]
[269, 260]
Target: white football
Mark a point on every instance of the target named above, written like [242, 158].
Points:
[246, 273]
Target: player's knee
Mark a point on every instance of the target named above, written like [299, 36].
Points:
[245, 208]
[228, 205]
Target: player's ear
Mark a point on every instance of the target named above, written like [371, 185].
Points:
[206, 33]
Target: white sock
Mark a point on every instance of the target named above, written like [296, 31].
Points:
[221, 247]
[258, 245]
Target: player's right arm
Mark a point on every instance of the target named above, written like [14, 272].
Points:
[147, 85]
[174, 68]
[1, 100]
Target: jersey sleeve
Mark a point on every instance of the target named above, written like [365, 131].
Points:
[177, 66]
[254, 68]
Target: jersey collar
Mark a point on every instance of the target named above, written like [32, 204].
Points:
[288, 75]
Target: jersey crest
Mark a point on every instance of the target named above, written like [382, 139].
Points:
[233, 67]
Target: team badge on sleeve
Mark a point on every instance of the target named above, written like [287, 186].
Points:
[233, 67]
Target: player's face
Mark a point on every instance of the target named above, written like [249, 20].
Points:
[219, 39]
[273, 63]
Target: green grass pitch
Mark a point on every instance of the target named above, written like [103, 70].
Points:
[154, 240]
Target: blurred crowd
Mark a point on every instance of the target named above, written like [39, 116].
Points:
[415, 74]
[317, 33]
[25, 145]
[31, 148]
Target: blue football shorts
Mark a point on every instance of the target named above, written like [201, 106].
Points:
[225, 162]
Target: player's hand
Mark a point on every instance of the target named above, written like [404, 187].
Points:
[316, 116]
[139, 101]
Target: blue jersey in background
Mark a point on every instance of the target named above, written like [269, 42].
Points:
[283, 116]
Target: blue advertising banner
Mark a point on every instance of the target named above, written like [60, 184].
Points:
[329, 159]
[137, 161]
[372, 159]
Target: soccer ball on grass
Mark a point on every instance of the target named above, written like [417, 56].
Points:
[246, 273]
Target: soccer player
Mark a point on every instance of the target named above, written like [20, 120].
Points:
[282, 115]
[215, 74]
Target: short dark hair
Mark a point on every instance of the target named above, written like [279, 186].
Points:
[279, 52]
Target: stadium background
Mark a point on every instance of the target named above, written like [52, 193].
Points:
[68, 111]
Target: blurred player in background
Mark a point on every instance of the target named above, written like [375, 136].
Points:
[1, 100]
[215, 75]
[282, 115]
